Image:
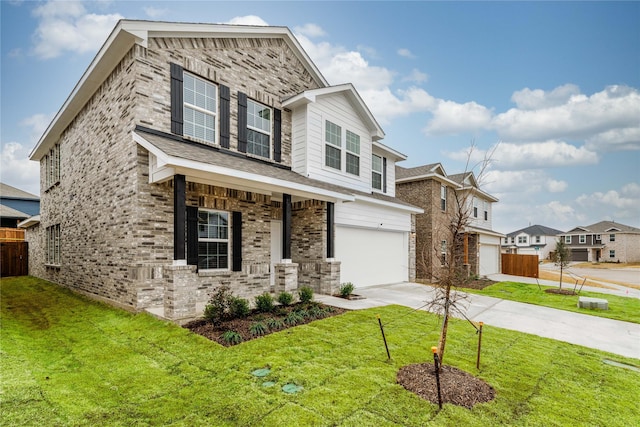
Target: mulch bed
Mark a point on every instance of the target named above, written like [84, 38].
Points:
[479, 283]
[457, 387]
[241, 326]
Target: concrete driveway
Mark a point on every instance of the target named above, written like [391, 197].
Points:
[629, 275]
[613, 336]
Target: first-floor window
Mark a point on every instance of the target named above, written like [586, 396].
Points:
[213, 240]
[53, 244]
[443, 252]
[612, 254]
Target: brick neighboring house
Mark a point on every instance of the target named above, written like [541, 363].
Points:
[430, 188]
[533, 240]
[604, 241]
[191, 156]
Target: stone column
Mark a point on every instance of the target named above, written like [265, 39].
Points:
[286, 277]
[181, 283]
[329, 277]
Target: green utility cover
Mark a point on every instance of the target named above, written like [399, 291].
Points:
[263, 372]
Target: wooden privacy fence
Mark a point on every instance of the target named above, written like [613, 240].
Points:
[14, 259]
[520, 265]
[11, 234]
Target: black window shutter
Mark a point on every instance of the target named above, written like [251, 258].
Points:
[192, 235]
[225, 99]
[236, 222]
[242, 122]
[176, 99]
[277, 135]
[384, 174]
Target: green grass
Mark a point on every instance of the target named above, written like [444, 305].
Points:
[620, 308]
[66, 360]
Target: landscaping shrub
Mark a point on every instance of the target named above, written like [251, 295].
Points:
[346, 289]
[258, 329]
[285, 298]
[264, 303]
[306, 294]
[231, 337]
[239, 307]
[218, 307]
[275, 324]
[293, 318]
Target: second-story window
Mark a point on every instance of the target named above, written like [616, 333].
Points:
[200, 108]
[612, 237]
[353, 153]
[333, 146]
[522, 239]
[258, 129]
[537, 239]
[582, 238]
[376, 172]
[475, 207]
[486, 211]
[443, 197]
[567, 239]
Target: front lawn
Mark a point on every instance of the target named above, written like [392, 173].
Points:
[620, 308]
[67, 360]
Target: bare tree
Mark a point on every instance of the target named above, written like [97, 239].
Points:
[451, 243]
[561, 257]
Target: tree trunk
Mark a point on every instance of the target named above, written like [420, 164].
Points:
[560, 276]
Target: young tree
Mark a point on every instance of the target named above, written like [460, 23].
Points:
[561, 257]
[450, 241]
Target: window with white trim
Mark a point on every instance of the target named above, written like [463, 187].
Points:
[52, 167]
[612, 237]
[213, 240]
[522, 239]
[598, 238]
[353, 153]
[475, 207]
[200, 108]
[582, 238]
[53, 245]
[376, 172]
[538, 239]
[567, 239]
[443, 252]
[612, 253]
[443, 198]
[333, 146]
[258, 129]
[486, 211]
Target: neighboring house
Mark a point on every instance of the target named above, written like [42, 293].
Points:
[191, 156]
[16, 205]
[604, 241]
[437, 193]
[533, 240]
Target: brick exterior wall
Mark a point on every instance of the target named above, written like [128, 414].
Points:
[117, 228]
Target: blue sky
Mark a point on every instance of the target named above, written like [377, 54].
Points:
[551, 88]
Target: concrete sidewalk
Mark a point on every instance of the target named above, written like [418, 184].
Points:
[613, 336]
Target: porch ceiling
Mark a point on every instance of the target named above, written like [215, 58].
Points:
[169, 155]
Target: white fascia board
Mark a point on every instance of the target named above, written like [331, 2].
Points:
[374, 201]
[476, 190]
[396, 154]
[29, 222]
[189, 167]
[485, 231]
[433, 175]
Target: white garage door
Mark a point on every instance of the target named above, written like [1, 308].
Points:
[489, 259]
[371, 257]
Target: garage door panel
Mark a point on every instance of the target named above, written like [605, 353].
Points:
[371, 257]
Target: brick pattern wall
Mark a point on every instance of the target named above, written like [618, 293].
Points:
[117, 229]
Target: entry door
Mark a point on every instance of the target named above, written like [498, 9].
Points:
[276, 247]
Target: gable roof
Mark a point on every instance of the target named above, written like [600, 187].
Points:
[128, 33]
[419, 172]
[536, 230]
[348, 90]
[9, 212]
[604, 227]
[7, 191]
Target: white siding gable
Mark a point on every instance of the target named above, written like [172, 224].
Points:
[308, 142]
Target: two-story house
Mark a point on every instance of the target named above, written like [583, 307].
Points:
[605, 241]
[533, 240]
[190, 156]
[442, 197]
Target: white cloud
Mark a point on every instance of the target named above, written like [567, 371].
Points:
[542, 154]
[615, 139]
[38, 124]
[406, 53]
[416, 76]
[564, 114]
[452, 118]
[554, 186]
[527, 99]
[66, 26]
[248, 20]
[310, 30]
[618, 205]
[154, 12]
[17, 169]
